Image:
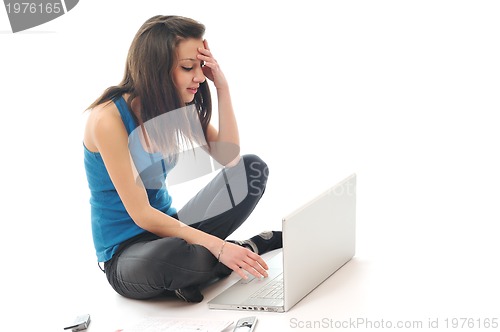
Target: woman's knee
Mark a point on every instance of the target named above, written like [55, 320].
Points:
[257, 174]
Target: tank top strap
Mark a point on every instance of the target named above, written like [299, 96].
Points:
[124, 110]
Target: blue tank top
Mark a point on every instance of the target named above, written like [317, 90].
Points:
[111, 224]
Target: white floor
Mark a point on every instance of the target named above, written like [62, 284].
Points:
[407, 271]
[403, 93]
[399, 287]
[110, 311]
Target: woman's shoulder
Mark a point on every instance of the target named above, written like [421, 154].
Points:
[103, 120]
[105, 114]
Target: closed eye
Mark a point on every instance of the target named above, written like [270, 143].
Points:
[187, 68]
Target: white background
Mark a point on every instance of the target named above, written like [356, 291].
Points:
[404, 93]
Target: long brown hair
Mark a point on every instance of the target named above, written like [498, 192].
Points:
[148, 75]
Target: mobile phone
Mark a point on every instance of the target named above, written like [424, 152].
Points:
[79, 324]
[246, 324]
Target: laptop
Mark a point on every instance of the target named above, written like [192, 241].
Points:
[318, 239]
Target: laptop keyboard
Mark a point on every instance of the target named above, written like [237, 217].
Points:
[273, 290]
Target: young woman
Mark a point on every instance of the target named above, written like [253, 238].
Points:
[133, 136]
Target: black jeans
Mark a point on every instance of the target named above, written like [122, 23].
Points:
[149, 266]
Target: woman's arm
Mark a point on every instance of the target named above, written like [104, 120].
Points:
[225, 142]
[109, 136]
